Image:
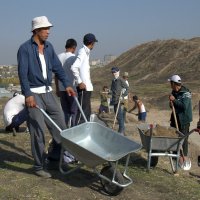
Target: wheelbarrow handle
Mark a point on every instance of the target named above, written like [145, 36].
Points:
[80, 108]
[49, 118]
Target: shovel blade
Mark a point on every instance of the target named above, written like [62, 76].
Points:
[185, 163]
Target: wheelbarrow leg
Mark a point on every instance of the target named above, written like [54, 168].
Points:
[149, 160]
[174, 165]
[177, 160]
[174, 169]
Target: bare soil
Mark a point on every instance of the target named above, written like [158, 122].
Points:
[18, 181]
[159, 130]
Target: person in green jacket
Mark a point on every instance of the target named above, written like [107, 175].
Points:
[181, 99]
[105, 97]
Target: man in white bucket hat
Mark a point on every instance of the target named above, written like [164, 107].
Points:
[40, 22]
[36, 62]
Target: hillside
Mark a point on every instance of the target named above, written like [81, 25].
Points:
[151, 64]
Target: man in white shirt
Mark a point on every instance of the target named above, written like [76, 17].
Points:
[81, 71]
[68, 103]
[15, 112]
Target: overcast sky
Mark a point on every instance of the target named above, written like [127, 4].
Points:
[118, 24]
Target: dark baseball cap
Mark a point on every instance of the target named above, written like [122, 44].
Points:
[90, 38]
[114, 69]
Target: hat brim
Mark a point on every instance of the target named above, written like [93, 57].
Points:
[37, 27]
[114, 71]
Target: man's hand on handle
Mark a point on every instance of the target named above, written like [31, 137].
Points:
[30, 101]
[82, 86]
[70, 91]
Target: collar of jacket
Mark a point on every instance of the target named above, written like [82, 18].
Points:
[33, 42]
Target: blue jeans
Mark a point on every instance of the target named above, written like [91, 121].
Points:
[120, 118]
[142, 116]
[18, 119]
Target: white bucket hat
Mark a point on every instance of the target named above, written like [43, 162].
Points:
[40, 22]
[175, 78]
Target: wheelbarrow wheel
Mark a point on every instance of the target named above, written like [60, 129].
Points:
[109, 187]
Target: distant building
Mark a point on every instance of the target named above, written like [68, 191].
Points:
[109, 58]
[7, 71]
[95, 62]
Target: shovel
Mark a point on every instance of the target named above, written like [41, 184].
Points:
[198, 126]
[184, 162]
[117, 110]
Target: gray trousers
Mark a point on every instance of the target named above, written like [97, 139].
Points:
[36, 123]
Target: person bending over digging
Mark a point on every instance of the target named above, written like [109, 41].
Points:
[141, 109]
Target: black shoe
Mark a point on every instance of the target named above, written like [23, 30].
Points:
[43, 173]
[8, 129]
[17, 129]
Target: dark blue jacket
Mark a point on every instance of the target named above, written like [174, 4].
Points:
[30, 68]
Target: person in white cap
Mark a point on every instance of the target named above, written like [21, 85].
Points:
[37, 61]
[181, 99]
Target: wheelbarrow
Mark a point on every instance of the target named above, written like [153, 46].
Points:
[93, 144]
[157, 146]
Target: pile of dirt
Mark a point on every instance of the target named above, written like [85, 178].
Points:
[162, 131]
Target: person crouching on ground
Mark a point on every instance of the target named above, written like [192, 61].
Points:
[15, 112]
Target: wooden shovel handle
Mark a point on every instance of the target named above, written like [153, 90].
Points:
[174, 113]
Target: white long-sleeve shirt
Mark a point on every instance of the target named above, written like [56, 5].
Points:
[81, 68]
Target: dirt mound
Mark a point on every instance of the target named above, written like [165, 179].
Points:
[163, 131]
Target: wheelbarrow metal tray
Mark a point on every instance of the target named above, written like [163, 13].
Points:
[94, 144]
[160, 143]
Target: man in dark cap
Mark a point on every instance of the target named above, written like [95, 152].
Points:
[119, 90]
[81, 72]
